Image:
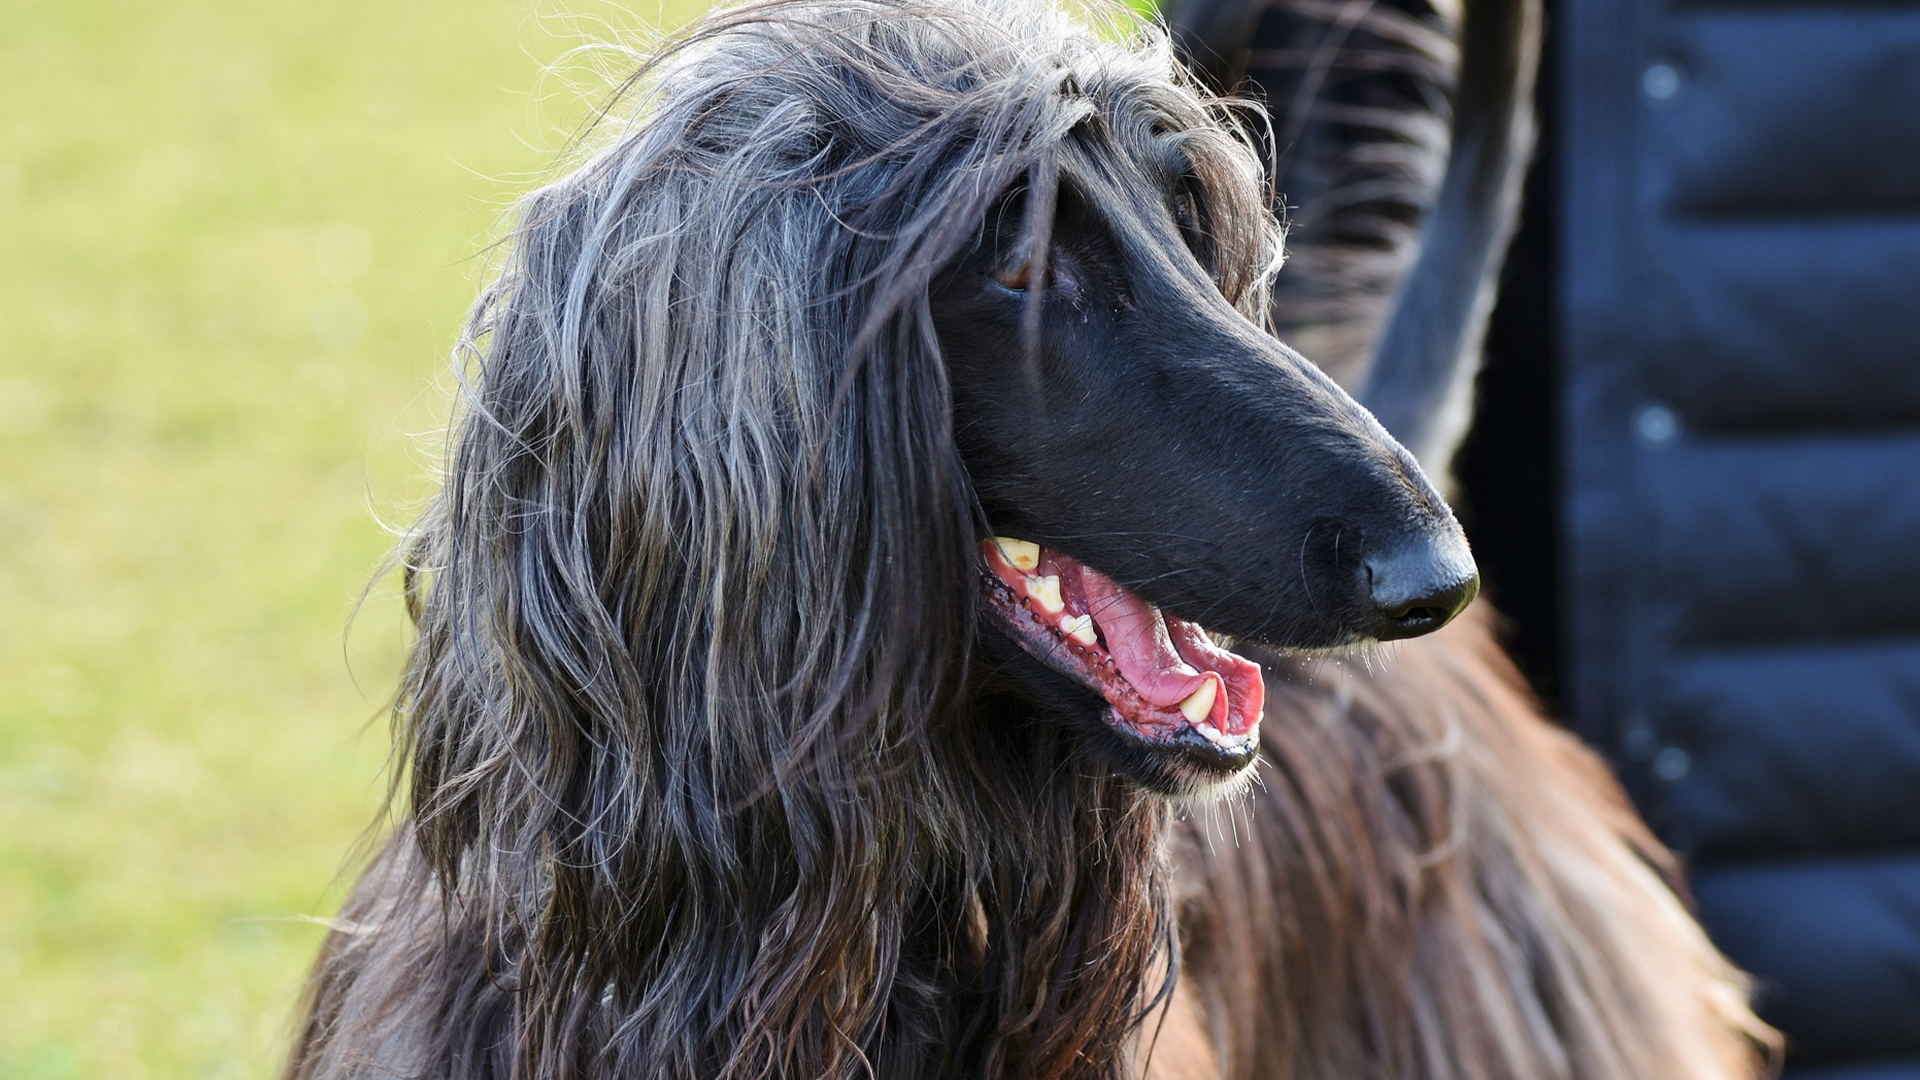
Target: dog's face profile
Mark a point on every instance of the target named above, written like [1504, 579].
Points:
[1157, 470]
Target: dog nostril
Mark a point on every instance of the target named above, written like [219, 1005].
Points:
[1420, 616]
[1420, 587]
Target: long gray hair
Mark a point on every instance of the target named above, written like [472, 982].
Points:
[693, 767]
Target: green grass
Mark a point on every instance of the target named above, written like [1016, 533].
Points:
[238, 238]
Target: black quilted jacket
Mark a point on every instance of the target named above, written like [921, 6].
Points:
[1734, 270]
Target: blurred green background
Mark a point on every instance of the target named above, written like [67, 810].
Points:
[236, 242]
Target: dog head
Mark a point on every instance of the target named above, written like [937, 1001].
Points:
[1155, 469]
[881, 339]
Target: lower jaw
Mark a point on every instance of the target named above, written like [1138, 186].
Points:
[1182, 769]
[1191, 751]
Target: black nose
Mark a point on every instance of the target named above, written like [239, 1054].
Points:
[1419, 587]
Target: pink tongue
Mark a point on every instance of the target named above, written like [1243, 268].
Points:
[1138, 642]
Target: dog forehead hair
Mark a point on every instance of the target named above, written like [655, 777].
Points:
[888, 74]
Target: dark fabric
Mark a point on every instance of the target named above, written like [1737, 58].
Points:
[1737, 199]
[1872, 1070]
[1832, 943]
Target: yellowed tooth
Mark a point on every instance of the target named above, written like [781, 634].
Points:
[1199, 704]
[1080, 629]
[1023, 554]
[1046, 593]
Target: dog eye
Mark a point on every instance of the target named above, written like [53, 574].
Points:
[1186, 209]
[1186, 214]
[1192, 222]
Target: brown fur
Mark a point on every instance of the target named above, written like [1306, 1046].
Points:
[1434, 882]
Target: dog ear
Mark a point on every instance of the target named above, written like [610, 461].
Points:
[698, 584]
[688, 523]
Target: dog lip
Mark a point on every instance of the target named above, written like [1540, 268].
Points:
[1231, 754]
[1145, 664]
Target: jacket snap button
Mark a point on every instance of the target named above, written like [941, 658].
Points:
[1672, 764]
[1655, 425]
[1660, 82]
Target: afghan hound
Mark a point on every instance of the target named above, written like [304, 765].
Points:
[884, 618]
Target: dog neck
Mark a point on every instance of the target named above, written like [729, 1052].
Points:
[1042, 933]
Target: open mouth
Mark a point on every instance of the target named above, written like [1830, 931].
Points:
[1167, 685]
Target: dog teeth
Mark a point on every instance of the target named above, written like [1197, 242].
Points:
[1217, 737]
[1023, 554]
[1199, 704]
[1046, 593]
[1080, 629]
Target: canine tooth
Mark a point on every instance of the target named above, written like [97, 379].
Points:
[1080, 628]
[1046, 592]
[1199, 704]
[1023, 554]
